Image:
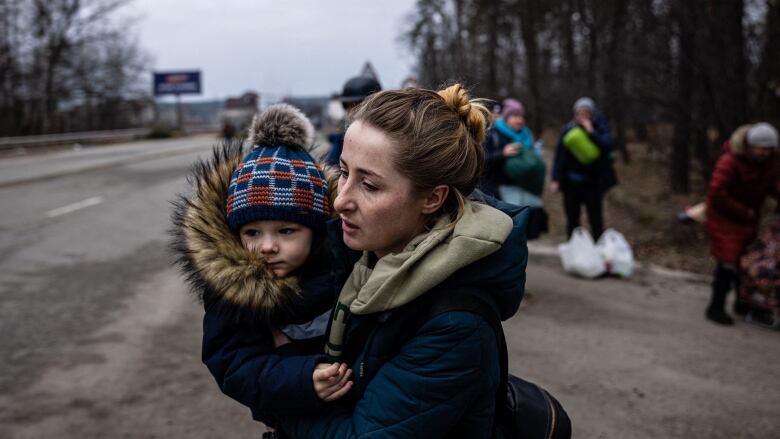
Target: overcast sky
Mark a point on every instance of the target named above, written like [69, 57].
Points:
[299, 47]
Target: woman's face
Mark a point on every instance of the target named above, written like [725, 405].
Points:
[378, 206]
[516, 122]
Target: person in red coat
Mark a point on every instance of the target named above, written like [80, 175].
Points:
[744, 175]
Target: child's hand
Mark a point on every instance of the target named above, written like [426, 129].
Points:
[331, 381]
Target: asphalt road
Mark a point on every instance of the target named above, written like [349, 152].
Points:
[100, 339]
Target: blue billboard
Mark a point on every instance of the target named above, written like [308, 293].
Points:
[174, 83]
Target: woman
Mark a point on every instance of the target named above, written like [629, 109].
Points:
[582, 168]
[410, 159]
[508, 138]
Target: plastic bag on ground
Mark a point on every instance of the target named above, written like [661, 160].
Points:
[617, 253]
[580, 257]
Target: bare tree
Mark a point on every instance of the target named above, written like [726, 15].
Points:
[60, 54]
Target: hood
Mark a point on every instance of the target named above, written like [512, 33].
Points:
[427, 261]
[737, 143]
[500, 275]
[215, 263]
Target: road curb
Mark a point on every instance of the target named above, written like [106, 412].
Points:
[551, 251]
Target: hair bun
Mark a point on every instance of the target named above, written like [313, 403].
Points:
[472, 114]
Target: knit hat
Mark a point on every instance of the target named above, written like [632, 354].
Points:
[278, 179]
[584, 103]
[511, 107]
[762, 135]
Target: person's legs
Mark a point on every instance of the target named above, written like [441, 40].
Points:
[572, 199]
[724, 278]
[593, 205]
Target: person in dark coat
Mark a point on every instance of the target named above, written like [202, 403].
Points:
[584, 183]
[354, 92]
[410, 159]
[508, 137]
[251, 242]
[744, 175]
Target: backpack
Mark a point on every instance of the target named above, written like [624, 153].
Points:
[524, 410]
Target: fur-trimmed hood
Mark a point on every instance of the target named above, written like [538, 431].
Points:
[738, 140]
[215, 263]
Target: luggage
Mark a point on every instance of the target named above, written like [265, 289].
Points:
[617, 253]
[581, 257]
[578, 143]
[526, 170]
[759, 286]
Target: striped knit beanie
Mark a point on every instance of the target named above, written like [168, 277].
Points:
[278, 179]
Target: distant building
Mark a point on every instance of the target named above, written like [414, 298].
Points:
[315, 107]
[368, 70]
[238, 111]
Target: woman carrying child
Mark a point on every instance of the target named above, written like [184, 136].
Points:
[411, 159]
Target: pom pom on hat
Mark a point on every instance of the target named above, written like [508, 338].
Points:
[762, 135]
[278, 179]
[281, 124]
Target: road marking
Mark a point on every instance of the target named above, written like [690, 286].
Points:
[74, 207]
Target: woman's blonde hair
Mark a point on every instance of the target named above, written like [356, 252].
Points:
[437, 137]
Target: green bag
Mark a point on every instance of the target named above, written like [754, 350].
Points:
[580, 146]
[526, 170]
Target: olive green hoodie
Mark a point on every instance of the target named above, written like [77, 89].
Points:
[398, 278]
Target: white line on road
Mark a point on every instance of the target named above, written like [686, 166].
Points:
[74, 207]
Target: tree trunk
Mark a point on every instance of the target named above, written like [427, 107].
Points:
[528, 29]
[680, 165]
[614, 77]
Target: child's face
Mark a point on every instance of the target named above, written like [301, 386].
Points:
[283, 245]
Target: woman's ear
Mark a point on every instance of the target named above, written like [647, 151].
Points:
[435, 199]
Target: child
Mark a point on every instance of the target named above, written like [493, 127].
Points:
[251, 242]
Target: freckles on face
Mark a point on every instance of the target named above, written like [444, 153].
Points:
[378, 206]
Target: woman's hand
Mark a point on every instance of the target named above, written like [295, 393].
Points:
[511, 149]
[555, 187]
[331, 381]
[585, 123]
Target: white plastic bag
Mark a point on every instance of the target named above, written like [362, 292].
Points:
[616, 252]
[580, 257]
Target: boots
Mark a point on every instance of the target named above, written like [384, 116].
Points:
[719, 316]
[721, 284]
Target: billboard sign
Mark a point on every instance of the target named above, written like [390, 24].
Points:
[174, 83]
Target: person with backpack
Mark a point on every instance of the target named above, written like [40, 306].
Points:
[411, 158]
[744, 175]
[582, 167]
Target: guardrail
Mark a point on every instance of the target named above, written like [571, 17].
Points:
[78, 137]
[90, 136]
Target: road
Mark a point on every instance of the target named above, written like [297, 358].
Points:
[100, 339]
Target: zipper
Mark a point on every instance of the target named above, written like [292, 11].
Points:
[362, 372]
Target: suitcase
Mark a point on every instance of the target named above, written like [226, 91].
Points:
[759, 286]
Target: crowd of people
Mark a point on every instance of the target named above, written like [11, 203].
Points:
[308, 272]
